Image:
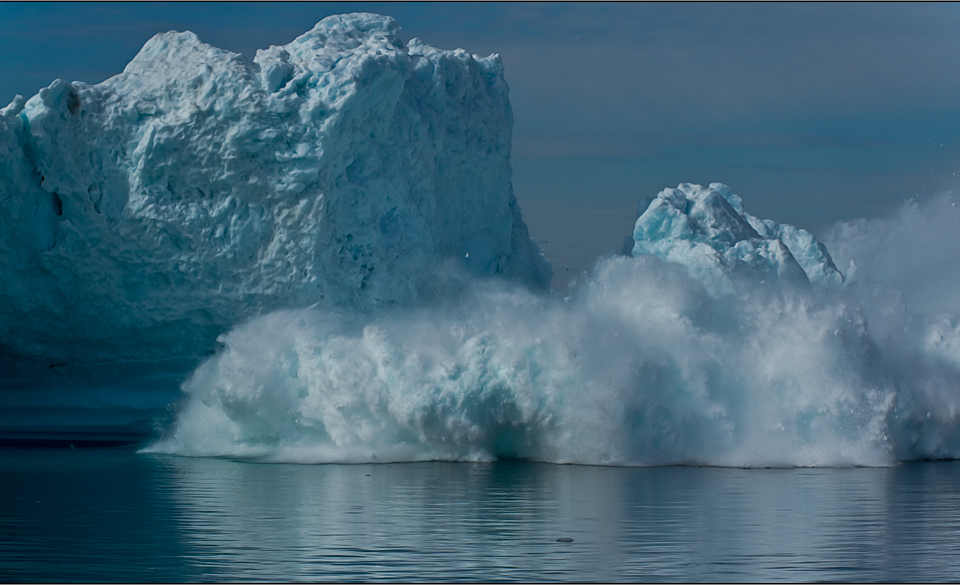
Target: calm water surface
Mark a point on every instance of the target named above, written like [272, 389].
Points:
[115, 515]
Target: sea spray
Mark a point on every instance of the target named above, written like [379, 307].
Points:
[644, 364]
[643, 367]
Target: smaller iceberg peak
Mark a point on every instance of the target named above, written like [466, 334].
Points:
[355, 44]
[708, 232]
[350, 31]
[172, 46]
[14, 108]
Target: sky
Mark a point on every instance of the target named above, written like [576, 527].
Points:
[813, 113]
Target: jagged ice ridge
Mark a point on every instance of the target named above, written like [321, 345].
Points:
[708, 232]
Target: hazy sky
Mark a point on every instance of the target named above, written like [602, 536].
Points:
[811, 112]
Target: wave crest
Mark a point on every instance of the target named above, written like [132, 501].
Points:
[642, 366]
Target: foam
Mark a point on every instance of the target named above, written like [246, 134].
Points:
[643, 365]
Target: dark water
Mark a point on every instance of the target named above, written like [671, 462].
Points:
[114, 515]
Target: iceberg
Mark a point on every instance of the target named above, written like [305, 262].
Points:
[708, 232]
[143, 216]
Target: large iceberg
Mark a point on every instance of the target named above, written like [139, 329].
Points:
[707, 231]
[143, 216]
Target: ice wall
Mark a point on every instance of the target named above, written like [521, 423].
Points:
[143, 216]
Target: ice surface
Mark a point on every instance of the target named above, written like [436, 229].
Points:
[708, 232]
[143, 216]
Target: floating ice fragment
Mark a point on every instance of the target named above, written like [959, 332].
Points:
[708, 232]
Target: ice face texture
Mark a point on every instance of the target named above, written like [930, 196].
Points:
[708, 232]
[143, 216]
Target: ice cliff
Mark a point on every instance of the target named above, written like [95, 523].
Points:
[708, 232]
[143, 216]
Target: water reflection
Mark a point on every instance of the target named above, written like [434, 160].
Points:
[116, 516]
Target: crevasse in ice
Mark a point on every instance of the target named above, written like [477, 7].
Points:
[143, 216]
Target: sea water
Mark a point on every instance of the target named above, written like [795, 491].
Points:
[116, 515]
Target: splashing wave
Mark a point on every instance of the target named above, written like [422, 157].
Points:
[641, 366]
